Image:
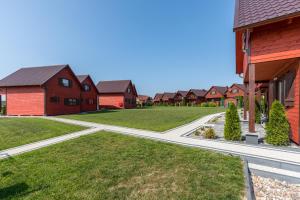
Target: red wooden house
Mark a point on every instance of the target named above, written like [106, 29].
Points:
[180, 97]
[143, 100]
[89, 94]
[216, 94]
[49, 90]
[195, 96]
[168, 98]
[158, 98]
[268, 51]
[235, 93]
[117, 94]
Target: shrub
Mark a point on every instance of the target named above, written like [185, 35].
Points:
[3, 110]
[204, 104]
[210, 134]
[257, 112]
[232, 129]
[240, 101]
[278, 127]
[222, 102]
[212, 104]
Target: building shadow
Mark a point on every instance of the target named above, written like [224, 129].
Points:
[18, 190]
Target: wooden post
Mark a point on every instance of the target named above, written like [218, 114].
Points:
[252, 98]
[245, 99]
[270, 95]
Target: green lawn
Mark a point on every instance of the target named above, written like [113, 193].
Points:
[112, 166]
[18, 131]
[156, 118]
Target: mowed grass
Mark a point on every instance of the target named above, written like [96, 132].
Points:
[112, 166]
[18, 131]
[155, 119]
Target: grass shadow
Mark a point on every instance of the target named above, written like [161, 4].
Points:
[18, 190]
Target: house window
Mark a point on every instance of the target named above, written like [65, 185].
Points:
[285, 89]
[54, 99]
[128, 90]
[90, 101]
[86, 87]
[65, 82]
[234, 91]
[71, 101]
[213, 92]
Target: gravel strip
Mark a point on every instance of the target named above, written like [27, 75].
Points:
[266, 188]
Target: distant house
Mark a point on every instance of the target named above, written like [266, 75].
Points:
[48, 90]
[216, 94]
[143, 100]
[89, 94]
[158, 98]
[195, 96]
[180, 97]
[234, 94]
[168, 98]
[117, 94]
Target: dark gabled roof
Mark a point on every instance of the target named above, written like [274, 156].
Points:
[182, 93]
[198, 93]
[241, 86]
[220, 89]
[249, 13]
[168, 95]
[158, 96]
[31, 76]
[119, 86]
[81, 78]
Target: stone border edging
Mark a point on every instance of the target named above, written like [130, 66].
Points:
[248, 181]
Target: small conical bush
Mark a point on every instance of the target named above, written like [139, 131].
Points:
[278, 126]
[232, 129]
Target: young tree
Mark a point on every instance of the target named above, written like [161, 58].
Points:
[232, 129]
[278, 126]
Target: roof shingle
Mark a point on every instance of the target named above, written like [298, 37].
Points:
[113, 86]
[198, 93]
[81, 78]
[31, 76]
[250, 12]
[182, 93]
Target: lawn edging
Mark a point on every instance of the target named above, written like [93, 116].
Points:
[250, 195]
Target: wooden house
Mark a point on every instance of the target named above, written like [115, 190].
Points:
[180, 97]
[235, 94]
[268, 51]
[88, 95]
[117, 94]
[195, 96]
[158, 98]
[47, 90]
[216, 94]
[168, 98]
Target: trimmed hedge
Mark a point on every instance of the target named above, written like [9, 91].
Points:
[232, 129]
[278, 126]
[204, 104]
[212, 104]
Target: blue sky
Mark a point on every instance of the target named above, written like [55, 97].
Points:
[162, 45]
